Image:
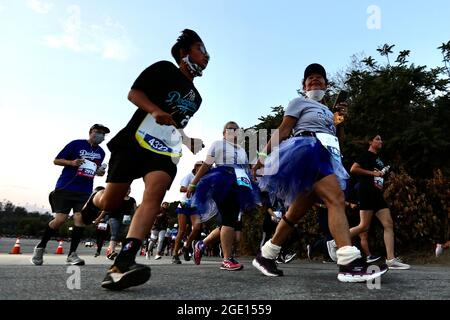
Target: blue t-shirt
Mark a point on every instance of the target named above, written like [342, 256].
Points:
[80, 179]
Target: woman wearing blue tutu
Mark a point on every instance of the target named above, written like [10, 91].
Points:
[305, 166]
[224, 190]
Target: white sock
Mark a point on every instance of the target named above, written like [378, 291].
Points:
[270, 250]
[347, 254]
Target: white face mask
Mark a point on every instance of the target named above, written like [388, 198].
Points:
[194, 69]
[316, 95]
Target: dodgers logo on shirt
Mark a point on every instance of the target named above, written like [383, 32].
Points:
[182, 107]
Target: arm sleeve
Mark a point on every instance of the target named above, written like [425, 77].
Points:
[213, 150]
[152, 76]
[363, 161]
[68, 152]
[294, 108]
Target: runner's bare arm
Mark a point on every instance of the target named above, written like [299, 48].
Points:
[64, 162]
[139, 99]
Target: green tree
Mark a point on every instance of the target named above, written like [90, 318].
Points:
[407, 105]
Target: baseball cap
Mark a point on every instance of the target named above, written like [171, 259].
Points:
[100, 127]
[315, 68]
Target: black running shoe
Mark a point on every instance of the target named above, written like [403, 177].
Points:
[176, 260]
[360, 271]
[279, 259]
[134, 275]
[90, 212]
[186, 255]
[267, 266]
[288, 257]
[372, 258]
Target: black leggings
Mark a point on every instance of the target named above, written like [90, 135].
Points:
[229, 208]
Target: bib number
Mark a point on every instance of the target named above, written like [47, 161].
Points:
[87, 169]
[278, 214]
[126, 220]
[242, 178]
[331, 143]
[102, 226]
[378, 182]
[160, 139]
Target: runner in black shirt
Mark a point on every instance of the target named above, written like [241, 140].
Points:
[371, 170]
[149, 147]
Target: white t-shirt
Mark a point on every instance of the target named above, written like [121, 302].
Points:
[228, 154]
[185, 183]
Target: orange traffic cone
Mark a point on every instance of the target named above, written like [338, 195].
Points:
[16, 248]
[59, 250]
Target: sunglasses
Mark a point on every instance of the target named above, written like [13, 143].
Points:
[202, 49]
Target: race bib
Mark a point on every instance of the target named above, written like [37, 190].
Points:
[87, 169]
[278, 214]
[161, 139]
[102, 226]
[242, 178]
[378, 182]
[331, 143]
[126, 219]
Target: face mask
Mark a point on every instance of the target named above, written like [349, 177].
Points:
[316, 95]
[193, 68]
[98, 138]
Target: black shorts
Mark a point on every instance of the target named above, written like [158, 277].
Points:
[127, 165]
[371, 199]
[238, 226]
[229, 208]
[62, 201]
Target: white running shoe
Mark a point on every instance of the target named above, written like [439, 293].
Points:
[397, 264]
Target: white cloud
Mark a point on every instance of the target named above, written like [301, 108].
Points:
[42, 7]
[109, 38]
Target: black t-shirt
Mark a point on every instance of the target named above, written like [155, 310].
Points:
[126, 208]
[276, 206]
[369, 161]
[161, 221]
[167, 87]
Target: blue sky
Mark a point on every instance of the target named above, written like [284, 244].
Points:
[65, 65]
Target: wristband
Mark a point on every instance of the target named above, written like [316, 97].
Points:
[193, 186]
[262, 154]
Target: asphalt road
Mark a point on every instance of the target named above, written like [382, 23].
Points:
[303, 280]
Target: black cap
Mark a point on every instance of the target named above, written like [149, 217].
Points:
[100, 127]
[315, 68]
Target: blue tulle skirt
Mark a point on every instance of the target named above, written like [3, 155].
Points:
[214, 187]
[186, 208]
[295, 166]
